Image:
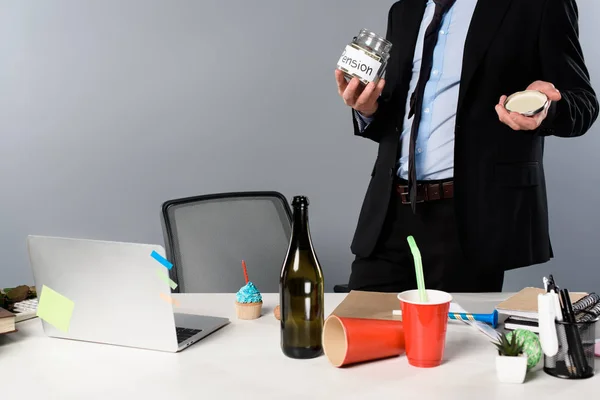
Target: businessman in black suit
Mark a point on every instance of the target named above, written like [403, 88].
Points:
[454, 168]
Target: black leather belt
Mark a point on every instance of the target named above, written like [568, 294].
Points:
[427, 191]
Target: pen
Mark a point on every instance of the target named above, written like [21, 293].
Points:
[569, 307]
[552, 284]
[560, 328]
[567, 351]
[575, 345]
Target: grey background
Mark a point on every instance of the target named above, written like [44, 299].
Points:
[110, 107]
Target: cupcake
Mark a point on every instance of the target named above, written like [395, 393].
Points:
[248, 302]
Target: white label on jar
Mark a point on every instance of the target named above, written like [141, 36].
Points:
[357, 62]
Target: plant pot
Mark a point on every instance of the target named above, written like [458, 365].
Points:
[511, 369]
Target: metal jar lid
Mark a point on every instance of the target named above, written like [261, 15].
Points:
[527, 103]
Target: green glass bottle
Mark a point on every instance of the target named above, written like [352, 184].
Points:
[301, 291]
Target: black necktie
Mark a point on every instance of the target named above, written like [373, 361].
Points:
[416, 99]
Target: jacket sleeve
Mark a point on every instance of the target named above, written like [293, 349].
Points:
[563, 65]
[375, 128]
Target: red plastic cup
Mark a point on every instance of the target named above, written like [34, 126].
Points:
[425, 326]
[352, 340]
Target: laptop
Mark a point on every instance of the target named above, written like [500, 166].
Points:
[118, 294]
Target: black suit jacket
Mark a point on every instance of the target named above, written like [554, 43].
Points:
[500, 192]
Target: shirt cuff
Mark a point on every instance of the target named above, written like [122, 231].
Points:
[363, 122]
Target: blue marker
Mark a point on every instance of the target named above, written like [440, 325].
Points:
[161, 260]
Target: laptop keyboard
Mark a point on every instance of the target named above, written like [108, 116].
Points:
[184, 334]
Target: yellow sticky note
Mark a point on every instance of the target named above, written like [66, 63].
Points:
[166, 278]
[55, 309]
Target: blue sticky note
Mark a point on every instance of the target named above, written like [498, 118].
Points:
[161, 260]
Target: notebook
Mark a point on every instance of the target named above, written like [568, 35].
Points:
[7, 321]
[514, 323]
[525, 303]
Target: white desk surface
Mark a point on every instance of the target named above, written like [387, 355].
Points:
[243, 361]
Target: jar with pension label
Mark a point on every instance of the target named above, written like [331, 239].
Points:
[365, 57]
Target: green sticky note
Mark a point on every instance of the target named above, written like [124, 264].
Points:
[162, 275]
[55, 309]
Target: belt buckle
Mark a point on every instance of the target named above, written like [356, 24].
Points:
[405, 197]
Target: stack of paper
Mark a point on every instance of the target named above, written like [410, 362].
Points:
[7, 321]
[522, 309]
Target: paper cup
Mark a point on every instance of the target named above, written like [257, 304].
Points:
[425, 326]
[248, 310]
[352, 340]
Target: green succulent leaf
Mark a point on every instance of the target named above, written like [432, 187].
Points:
[508, 347]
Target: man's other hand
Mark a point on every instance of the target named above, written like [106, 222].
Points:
[361, 98]
[520, 122]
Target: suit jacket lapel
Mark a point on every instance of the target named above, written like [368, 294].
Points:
[486, 20]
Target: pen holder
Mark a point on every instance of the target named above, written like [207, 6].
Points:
[575, 357]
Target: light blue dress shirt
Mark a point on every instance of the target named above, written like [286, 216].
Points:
[434, 155]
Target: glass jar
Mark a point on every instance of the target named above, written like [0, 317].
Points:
[365, 57]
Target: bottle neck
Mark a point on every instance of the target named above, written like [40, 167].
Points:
[300, 233]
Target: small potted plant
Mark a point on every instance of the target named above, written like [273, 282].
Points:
[511, 361]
